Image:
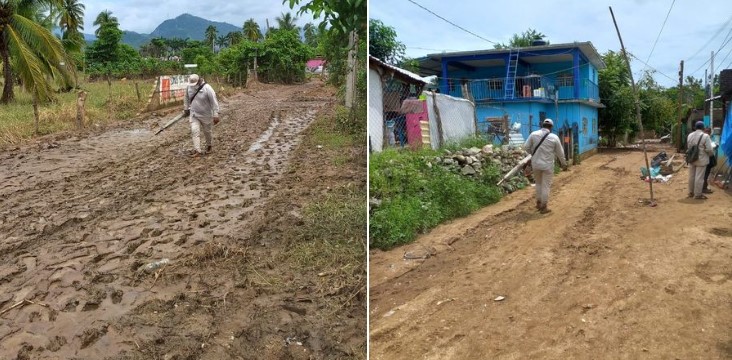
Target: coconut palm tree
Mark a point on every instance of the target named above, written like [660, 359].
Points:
[71, 21]
[105, 17]
[287, 22]
[234, 38]
[159, 46]
[222, 41]
[210, 35]
[311, 34]
[252, 30]
[29, 51]
[71, 18]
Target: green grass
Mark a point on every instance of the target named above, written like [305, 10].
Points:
[60, 115]
[417, 197]
[17, 124]
[333, 231]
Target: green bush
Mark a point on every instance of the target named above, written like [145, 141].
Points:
[418, 195]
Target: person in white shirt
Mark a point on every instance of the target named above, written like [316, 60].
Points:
[698, 167]
[544, 146]
[203, 112]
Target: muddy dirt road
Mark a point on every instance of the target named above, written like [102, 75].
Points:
[80, 221]
[601, 277]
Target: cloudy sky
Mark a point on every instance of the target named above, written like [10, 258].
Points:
[692, 31]
[144, 16]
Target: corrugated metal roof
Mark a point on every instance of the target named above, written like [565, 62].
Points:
[401, 71]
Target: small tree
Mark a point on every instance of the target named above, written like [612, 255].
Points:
[616, 94]
[383, 43]
[524, 39]
[282, 58]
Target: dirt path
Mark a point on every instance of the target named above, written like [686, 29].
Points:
[80, 221]
[603, 276]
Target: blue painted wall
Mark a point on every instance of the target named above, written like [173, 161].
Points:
[580, 117]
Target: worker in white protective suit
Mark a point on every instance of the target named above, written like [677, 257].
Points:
[544, 147]
[696, 168]
[202, 108]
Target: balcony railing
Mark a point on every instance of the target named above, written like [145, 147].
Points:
[533, 87]
[589, 91]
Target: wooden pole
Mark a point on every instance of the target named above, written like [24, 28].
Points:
[36, 115]
[637, 105]
[80, 111]
[350, 77]
[137, 90]
[679, 138]
[440, 133]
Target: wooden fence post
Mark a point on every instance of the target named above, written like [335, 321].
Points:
[440, 134]
[80, 111]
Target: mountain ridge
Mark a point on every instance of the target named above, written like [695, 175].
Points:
[184, 26]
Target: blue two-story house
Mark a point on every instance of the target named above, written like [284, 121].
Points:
[527, 85]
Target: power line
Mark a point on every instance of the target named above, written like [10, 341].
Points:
[428, 49]
[660, 31]
[725, 42]
[725, 57]
[712, 39]
[451, 23]
[651, 67]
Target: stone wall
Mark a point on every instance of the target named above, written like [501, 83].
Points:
[473, 162]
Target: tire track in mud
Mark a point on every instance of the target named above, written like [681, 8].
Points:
[507, 237]
[100, 226]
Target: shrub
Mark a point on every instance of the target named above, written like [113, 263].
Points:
[417, 195]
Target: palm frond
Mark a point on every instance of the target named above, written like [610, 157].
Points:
[29, 67]
[38, 38]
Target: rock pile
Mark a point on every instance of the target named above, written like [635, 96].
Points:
[474, 161]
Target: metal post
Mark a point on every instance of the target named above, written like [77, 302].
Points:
[637, 106]
[711, 95]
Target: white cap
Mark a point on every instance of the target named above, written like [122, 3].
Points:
[193, 79]
[548, 121]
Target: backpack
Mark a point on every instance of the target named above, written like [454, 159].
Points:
[692, 153]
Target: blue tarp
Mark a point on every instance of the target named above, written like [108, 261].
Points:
[726, 143]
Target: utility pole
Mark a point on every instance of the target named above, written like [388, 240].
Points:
[681, 106]
[711, 95]
[637, 107]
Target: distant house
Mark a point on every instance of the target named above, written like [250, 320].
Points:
[402, 114]
[389, 87]
[315, 66]
[527, 85]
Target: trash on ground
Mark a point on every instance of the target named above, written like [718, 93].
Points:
[156, 264]
[445, 301]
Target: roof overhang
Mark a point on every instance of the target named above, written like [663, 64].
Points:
[464, 60]
[396, 72]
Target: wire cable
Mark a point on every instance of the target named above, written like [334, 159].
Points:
[725, 42]
[429, 49]
[651, 67]
[710, 40]
[659, 32]
[451, 23]
[725, 57]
